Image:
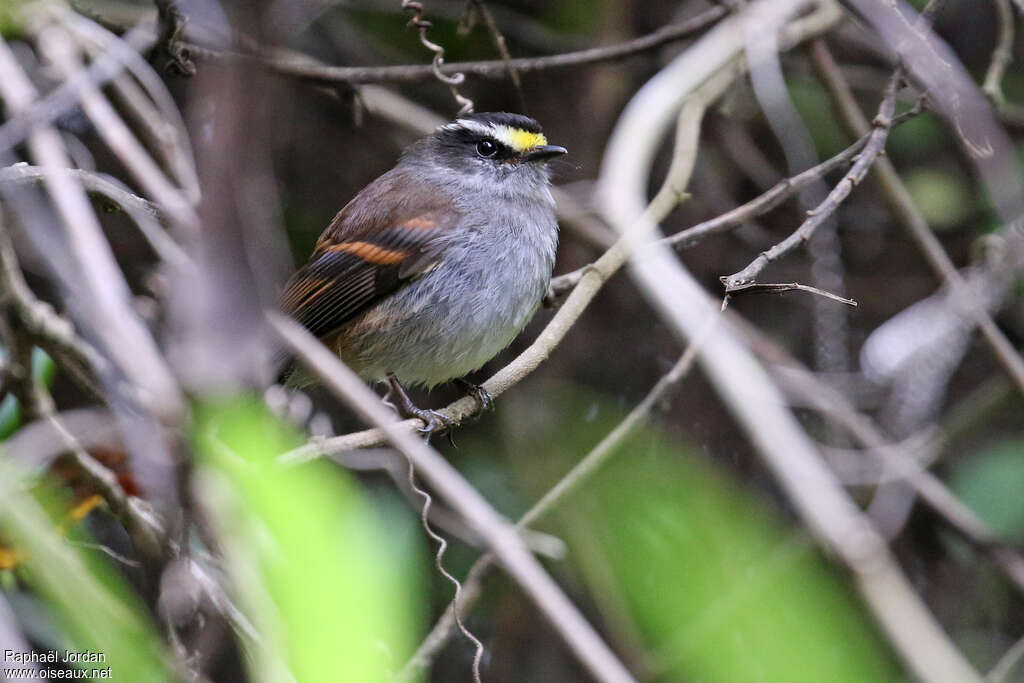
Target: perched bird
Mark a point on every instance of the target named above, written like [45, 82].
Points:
[437, 265]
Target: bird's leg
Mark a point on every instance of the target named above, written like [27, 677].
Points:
[433, 420]
[478, 392]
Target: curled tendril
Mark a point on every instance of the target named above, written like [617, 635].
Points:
[451, 80]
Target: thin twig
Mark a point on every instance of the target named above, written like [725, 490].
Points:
[775, 195]
[145, 214]
[1002, 54]
[38, 318]
[874, 146]
[800, 382]
[124, 337]
[757, 405]
[144, 528]
[480, 8]
[496, 68]
[155, 110]
[500, 536]
[56, 44]
[896, 193]
[64, 98]
[573, 479]
[776, 287]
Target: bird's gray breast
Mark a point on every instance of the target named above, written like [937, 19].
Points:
[477, 299]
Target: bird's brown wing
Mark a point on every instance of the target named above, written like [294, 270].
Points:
[379, 242]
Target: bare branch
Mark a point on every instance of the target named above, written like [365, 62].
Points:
[124, 336]
[573, 479]
[778, 193]
[874, 146]
[913, 220]
[502, 538]
[1001, 672]
[789, 287]
[1002, 54]
[62, 51]
[751, 397]
[497, 68]
[145, 214]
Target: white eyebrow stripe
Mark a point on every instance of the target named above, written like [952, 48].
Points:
[467, 124]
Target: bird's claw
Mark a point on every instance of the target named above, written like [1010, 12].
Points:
[478, 392]
[433, 421]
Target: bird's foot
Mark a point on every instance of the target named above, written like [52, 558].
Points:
[477, 391]
[433, 421]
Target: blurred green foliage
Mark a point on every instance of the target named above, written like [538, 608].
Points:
[43, 372]
[942, 196]
[699, 572]
[334, 594]
[95, 611]
[991, 483]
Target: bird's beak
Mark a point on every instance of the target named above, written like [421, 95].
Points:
[544, 152]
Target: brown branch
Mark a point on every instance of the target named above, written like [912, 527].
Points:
[307, 69]
[874, 146]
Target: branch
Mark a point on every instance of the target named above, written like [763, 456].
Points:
[800, 382]
[755, 402]
[1001, 54]
[778, 193]
[573, 479]
[145, 214]
[123, 334]
[63, 52]
[777, 287]
[502, 538]
[874, 146]
[497, 68]
[477, 7]
[144, 529]
[896, 193]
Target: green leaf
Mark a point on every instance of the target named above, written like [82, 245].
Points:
[699, 572]
[990, 483]
[327, 586]
[97, 612]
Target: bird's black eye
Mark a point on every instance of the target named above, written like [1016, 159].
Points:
[486, 148]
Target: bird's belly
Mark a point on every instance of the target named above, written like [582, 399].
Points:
[430, 332]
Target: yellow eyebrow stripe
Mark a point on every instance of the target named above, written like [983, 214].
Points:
[518, 139]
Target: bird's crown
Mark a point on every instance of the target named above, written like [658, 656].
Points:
[519, 133]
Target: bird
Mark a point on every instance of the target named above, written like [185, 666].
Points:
[438, 264]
